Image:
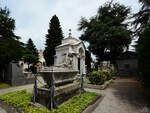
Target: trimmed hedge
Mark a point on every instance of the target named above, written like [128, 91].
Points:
[21, 99]
[99, 77]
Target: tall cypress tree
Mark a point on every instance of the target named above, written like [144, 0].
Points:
[53, 39]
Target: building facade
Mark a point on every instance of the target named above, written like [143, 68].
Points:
[127, 64]
[71, 53]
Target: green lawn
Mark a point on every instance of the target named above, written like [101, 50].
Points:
[21, 99]
[4, 85]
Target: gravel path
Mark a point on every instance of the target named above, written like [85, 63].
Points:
[2, 110]
[7, 90]
[123, 96]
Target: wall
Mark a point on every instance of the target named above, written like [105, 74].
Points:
[14, 75]
[17, 75]
[127, 67]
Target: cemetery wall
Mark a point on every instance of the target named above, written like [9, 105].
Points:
[14, 75]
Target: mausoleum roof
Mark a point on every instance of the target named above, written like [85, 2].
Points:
[69, 41]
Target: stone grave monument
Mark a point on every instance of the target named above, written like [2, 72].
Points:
[60, 78]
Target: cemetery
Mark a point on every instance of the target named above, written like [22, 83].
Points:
[101, 65]
[62, 86]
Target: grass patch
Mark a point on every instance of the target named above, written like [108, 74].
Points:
[21, 99]
[4, 85]
[77, 104]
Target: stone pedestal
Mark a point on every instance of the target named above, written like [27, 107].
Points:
[62, 93]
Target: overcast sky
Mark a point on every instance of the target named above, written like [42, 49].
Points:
[33, 16]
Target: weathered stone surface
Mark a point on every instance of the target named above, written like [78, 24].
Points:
[61, 75]
[62, 93]
[71, 54]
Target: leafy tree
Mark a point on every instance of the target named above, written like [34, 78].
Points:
[31, 53]
[53, 39]
[144, 56]
[142, 18]
[11, 49]
[107, 32]
[142, 30]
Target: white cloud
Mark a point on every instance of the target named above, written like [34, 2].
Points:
[33, 16]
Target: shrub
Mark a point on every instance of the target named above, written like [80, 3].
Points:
[97, 77]
[108, 74]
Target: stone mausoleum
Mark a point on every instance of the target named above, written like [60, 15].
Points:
[71, 54]
[69, 63]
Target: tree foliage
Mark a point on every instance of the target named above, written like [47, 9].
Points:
[142, 30]
[142, 18]
[144, 56]
[11, 49]
[107, 32]
[53, 39]
[31, 53]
